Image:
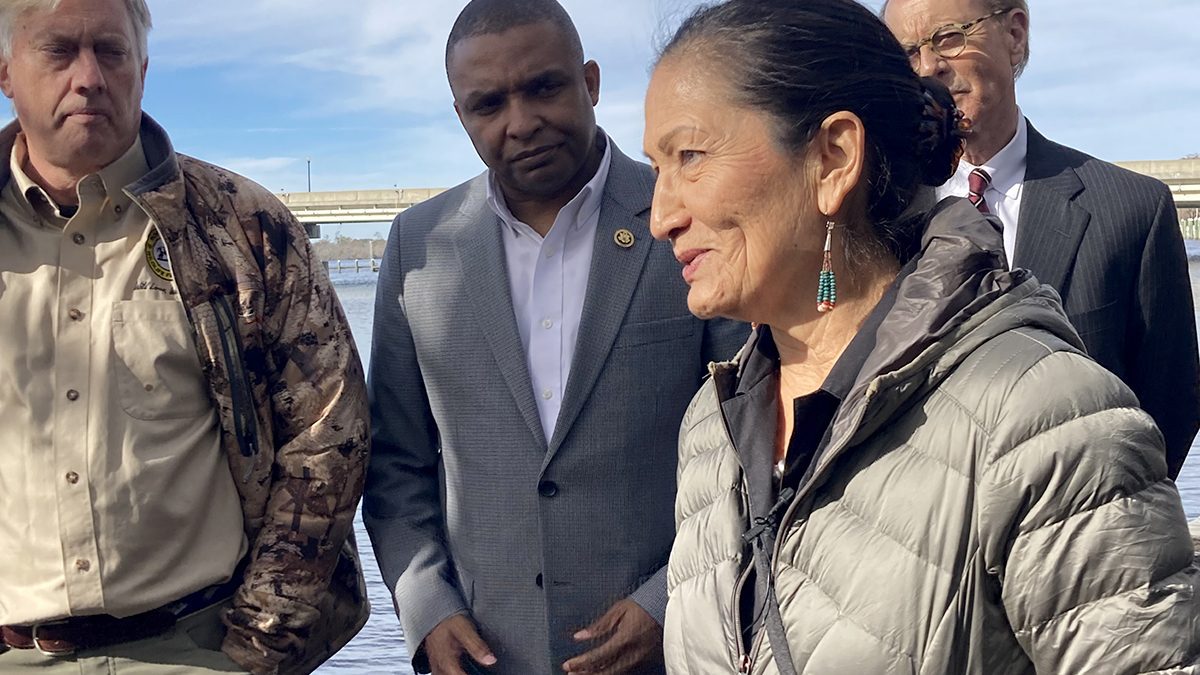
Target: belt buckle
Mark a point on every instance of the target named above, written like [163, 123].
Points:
[37, 642]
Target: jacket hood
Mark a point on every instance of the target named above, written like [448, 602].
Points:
[958, 296]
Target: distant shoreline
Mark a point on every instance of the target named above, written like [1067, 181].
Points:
[342, 247]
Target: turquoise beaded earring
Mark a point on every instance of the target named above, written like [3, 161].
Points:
[827, 283]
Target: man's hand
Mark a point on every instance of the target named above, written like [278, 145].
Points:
[627, 639]
[449, 640]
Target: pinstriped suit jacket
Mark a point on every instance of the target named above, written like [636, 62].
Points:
[1108, 240]
[534, 537]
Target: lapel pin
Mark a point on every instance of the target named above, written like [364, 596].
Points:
[624, 238]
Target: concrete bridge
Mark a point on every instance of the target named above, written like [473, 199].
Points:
[375, 206]
[352, 206]
[1181, 175]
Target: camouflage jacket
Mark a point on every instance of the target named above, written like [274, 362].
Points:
[287, 381]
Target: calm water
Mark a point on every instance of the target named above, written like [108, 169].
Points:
[380, 648]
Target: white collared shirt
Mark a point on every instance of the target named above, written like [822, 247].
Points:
[1003, 196]
[548, 279]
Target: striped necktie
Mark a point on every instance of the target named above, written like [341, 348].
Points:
[977, 184]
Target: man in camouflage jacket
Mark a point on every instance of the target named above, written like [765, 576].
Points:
[283, 369]
[286, 381]
[183, 414]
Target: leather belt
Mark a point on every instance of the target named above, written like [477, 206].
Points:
[80, 633]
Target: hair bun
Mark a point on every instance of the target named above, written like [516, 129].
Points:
[941, 133]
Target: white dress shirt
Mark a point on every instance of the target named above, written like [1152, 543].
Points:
[1003, 195]
[548, 279]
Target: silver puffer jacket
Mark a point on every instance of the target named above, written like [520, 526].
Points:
[991, 501]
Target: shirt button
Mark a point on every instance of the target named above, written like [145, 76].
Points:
[547, 394]
[118, 208]
[72, 477]
[78, 238]
[550, 252]
[547, 324]
[72, 395]
[547, 488]
[75, 315]
[83, 565]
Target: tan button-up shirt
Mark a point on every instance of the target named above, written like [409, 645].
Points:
[115, 496]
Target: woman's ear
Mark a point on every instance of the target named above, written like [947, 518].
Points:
[839, 151]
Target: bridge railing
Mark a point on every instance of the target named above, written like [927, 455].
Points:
[1190, 227]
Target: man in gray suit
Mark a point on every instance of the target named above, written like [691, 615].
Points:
[1106, 239]
[533, 356]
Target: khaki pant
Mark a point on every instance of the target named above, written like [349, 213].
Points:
[193, 646]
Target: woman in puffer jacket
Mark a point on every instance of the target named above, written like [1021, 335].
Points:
[920, 471]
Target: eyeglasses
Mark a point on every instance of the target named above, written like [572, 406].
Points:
[950, 40]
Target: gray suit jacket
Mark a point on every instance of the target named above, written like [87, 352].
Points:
[534, 537]
[1108, 241]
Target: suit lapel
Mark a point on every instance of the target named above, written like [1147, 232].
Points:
[612, 280]
[1051, 224]
[485, 277]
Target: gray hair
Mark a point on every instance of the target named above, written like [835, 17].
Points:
[11, 10]
[997, 6]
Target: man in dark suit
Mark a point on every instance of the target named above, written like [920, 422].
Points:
[533, 356]
[1107, 239]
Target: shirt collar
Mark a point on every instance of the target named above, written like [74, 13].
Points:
[112, 179]
[127, 170]
[29, 192]
[1007, 167]
[582, 207]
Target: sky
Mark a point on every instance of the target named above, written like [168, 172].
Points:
[357, 90]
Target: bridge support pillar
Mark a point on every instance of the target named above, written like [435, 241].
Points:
[314, 230]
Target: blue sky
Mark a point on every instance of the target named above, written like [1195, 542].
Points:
[262, 85]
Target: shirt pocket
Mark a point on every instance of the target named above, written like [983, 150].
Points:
[158, 373]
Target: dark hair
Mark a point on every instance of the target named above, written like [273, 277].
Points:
[488, 17]
[800, 62]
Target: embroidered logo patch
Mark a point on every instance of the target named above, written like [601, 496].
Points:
[156, 256]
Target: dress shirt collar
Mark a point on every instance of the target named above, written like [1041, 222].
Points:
[1007, 167]
[582, 208]
[110, 181]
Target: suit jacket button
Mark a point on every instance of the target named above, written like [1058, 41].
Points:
[538, 581]
[547, 488]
